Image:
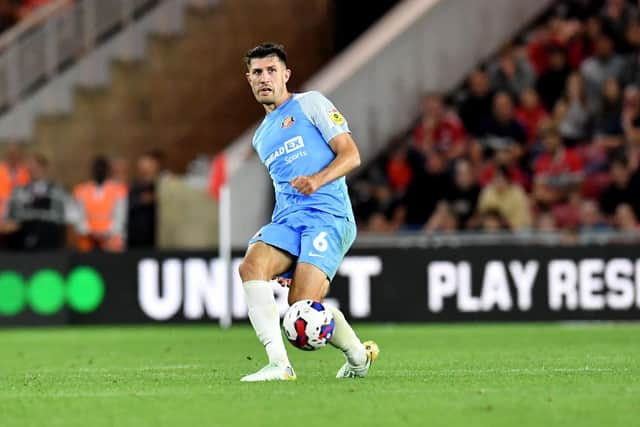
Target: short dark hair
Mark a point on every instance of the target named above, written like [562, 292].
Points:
[266, 49]
[100, 164]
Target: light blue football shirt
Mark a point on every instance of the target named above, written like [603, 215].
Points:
[293, 140]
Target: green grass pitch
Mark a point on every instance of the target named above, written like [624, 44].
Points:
[427, 375]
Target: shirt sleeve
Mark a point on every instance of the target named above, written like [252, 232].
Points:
[77, 214]
[119, 224]
[323, 114]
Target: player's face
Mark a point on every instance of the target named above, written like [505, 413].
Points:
[268, 80]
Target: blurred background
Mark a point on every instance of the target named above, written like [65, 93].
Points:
[498, 139]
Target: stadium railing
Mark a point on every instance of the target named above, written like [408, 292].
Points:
[491, 239]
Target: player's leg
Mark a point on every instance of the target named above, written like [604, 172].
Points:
[322, 249]
[309, 282]
[261, 263]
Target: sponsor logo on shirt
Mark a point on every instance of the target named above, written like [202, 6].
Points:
[287, 147]
[293, 144]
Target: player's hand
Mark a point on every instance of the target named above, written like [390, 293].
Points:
[307, 185]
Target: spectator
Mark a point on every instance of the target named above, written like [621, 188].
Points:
[630, 73]
[492, 221]
[502, 127]
[546, 222]
[631, 42]
[120, 167]
[378, 223]
[476, 105]
[463, 197]
[582, 45]
[557, 171]
[605, 64]
[540, 40]
[377, 208]
[161, 158]
[429, 186]
[38, 213]
[141, 219]
[615, 16]
[531, 113]
[443, 220]
[591, 218]
[552, 82]
[13, 173]
[361, 200]
[512, 73]
[103, 210]
[631, 115]
[609, 117]
[622, 190]
[567, 213]
[439, 129]
[506, 157]
[572, 113]
[398, 169]
[507, 198]
[625, 219]
[556, 33]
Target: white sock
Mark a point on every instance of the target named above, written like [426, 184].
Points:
[346, 339]
[265, 318]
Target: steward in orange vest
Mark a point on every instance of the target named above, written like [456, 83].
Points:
[102, 205]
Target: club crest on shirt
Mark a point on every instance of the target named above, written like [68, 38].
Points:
[336, 117]
[288, 122]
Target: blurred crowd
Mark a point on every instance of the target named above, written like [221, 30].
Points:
[12, 11]
[545, 136]
[107, 212]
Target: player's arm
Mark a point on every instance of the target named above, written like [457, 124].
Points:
[347, 159]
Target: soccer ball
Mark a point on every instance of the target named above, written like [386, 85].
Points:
[308, 325]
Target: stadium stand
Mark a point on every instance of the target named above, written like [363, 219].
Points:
[552, 123]
[543, 136]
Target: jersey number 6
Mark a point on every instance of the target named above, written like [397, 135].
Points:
[320, 242]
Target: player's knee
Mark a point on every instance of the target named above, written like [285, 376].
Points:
[250, 270]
